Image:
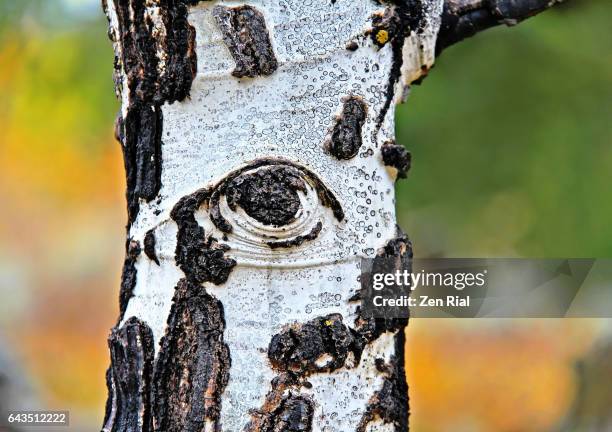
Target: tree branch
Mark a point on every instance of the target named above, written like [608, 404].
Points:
[464, 18]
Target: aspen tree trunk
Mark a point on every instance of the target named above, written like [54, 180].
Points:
[258, 139]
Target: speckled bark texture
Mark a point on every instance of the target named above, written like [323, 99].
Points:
[260, 161]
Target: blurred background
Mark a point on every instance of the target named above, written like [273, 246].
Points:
[511, 137]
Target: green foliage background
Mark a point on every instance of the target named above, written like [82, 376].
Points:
[511, 136]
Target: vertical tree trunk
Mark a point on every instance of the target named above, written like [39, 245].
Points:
[259, 149]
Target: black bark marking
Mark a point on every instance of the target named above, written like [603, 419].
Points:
[346, 138]
[390, 404]
[146, 83]
[214, 212]
[294, 414]
[140, 136]
[299, 347]
[395, 255]
[268, 195]
[283, 178]
[246, 36]
[200, 257]
[128, 275]
[352, 46]
[462, 19]
[192, 368]
[405, 16]
[396, 156]
[128, 379]
[149, 87]
[149, 246]
[385, 27]
[284, 410]
[297, 241]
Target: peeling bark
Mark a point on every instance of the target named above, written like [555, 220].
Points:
[260, 161]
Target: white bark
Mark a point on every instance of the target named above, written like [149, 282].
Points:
[228, 122]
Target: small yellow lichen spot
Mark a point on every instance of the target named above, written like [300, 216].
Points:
[382, 36]
[328, 323]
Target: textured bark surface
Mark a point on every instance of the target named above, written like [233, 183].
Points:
[259, 149]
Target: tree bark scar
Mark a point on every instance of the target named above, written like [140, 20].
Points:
[150, 82]
[128, 275]
[400, 18]
[200, 257]
[345, 140]
[159, 67]
[266, 189]
[297, 241]
[269, 195]
[246, 36]
[319, 345]
[284, 410]
[395, 255]
[192, 367]
[141, 139]
[390, 404]
[149, 246]
[129, 378]
[396, 156]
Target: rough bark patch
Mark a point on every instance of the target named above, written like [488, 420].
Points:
[129, 378]
[192, 368]
[390, 404]
[285, 410]
[128, 275]
[269, 195]
[396, 156]
[318, 345]
[201, 257]
[139, 41]
[346, 138]
[246, 36]
[149, 246]
[140, 136]
[395, 255]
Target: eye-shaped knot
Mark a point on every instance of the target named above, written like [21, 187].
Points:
[271, 204]
[269, 195]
